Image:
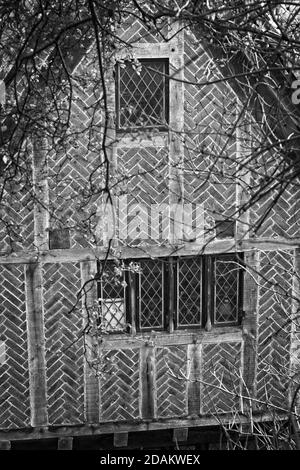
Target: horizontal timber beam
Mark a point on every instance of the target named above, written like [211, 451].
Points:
[121, 439]
[180, 434]
[65, 443]
[214, 247]
[126, 427]
[161, 338]
[5, 445]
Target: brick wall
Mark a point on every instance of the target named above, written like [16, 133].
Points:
[14, 373]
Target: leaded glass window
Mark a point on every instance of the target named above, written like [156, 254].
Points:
[142, 94]
[185, 292]
[189, 291]
[151, 295]
[226, 290]
[112, 299]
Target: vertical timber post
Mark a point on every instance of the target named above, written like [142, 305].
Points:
[250, 300]
[194, 378]
[41, 194]
[91, 381]
[132, 290]
[176, 122]
[36, 345]
[294, 397]
[243, 183]
[34, 288]
[148, 381]
[171, 296]
[65, 443]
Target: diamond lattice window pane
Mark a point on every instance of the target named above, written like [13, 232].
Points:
[113, 315]
[112, 300]
[189, 292]
[226, 291]
[151, 303]
[142, 95]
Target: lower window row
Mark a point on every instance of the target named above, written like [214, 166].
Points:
[170, 293]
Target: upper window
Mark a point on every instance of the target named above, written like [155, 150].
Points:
[190, 292]
[142, 94]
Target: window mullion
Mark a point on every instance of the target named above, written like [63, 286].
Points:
[209, 292]
[171, 291]
[133, 294]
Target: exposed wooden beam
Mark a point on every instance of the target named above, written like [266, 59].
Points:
[194, 382]
[36, 345]
[176, 123]
[91, 381]
[249, 324]
[41, 199]
[111, 428]
[120, 439]
[180, 434]
[65, 443]
[178, 338]
[133, 293]
[5, 445]
[147, 365]
[214, 247]
[171, 291]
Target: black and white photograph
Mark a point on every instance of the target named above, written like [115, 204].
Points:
[149, 229]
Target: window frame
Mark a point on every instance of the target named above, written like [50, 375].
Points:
[166, 97]
[170, 293]
[126, 298]
[139, 300]
[240, 285]
[177, 325]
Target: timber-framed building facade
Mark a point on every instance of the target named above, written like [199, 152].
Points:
[189, 307]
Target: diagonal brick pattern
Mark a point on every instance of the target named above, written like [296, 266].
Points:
[171, 381]
[77, 175]
[146, 174]
[134, 30]
[119, 386]
[274, 328]
[221, 380]
[76, 172]
[209, 149]
[14, 378]
[64, 347]
[282, 217]
[16, 225]
[69, 185]
[276, 210]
